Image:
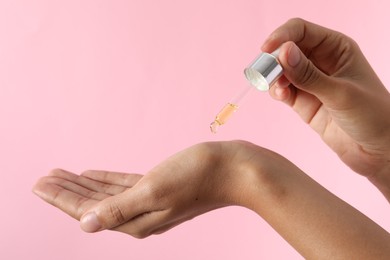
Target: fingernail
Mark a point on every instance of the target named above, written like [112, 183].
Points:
[90, 222]
[294, 56]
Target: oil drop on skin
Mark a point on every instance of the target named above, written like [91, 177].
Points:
[262, 73]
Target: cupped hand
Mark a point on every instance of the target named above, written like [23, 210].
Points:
[76, 194]
[196, 180]
[212, 175]
[330, 84]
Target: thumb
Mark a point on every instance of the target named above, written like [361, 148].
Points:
[302, 73]
[112, 212]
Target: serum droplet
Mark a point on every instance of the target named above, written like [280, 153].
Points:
[221, 118]
[214, 127]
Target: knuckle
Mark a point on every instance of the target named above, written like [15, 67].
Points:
[296, 21]
[116, 213]
[351, 43]
[348, 41]
[350, 48]
[346, 44]
[308, 75]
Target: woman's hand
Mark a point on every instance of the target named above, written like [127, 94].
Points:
[199, 179]
[330, 84]
[212, 175]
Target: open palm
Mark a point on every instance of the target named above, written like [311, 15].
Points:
[191, 182]
[76, 194]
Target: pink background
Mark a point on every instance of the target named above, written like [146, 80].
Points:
[121, 85]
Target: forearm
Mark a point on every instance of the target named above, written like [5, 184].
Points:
[314, 221]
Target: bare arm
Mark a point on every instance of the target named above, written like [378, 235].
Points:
[327, 80]
[315, 222]
[212, 175]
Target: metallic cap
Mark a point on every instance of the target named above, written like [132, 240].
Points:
[263, 71]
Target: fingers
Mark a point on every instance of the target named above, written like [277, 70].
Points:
[305, 34]
[312, 85]
[74, 187]
[76, 194]
[312, 57]
[118, 209]
[140, 220]
[115, 178]
[67, 196]
[146, 224]
[303, 74]
[88, 183]
[282, 91]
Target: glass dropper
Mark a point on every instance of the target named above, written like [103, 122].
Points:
[262, 73]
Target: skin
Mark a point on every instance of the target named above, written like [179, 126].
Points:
[337, 93]
[326, 84]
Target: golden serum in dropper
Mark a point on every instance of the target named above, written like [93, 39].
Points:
[262, 73]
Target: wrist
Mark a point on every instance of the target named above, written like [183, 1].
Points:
[256, 174]
[237, 168]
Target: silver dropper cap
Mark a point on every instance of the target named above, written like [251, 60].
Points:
[264, 71]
